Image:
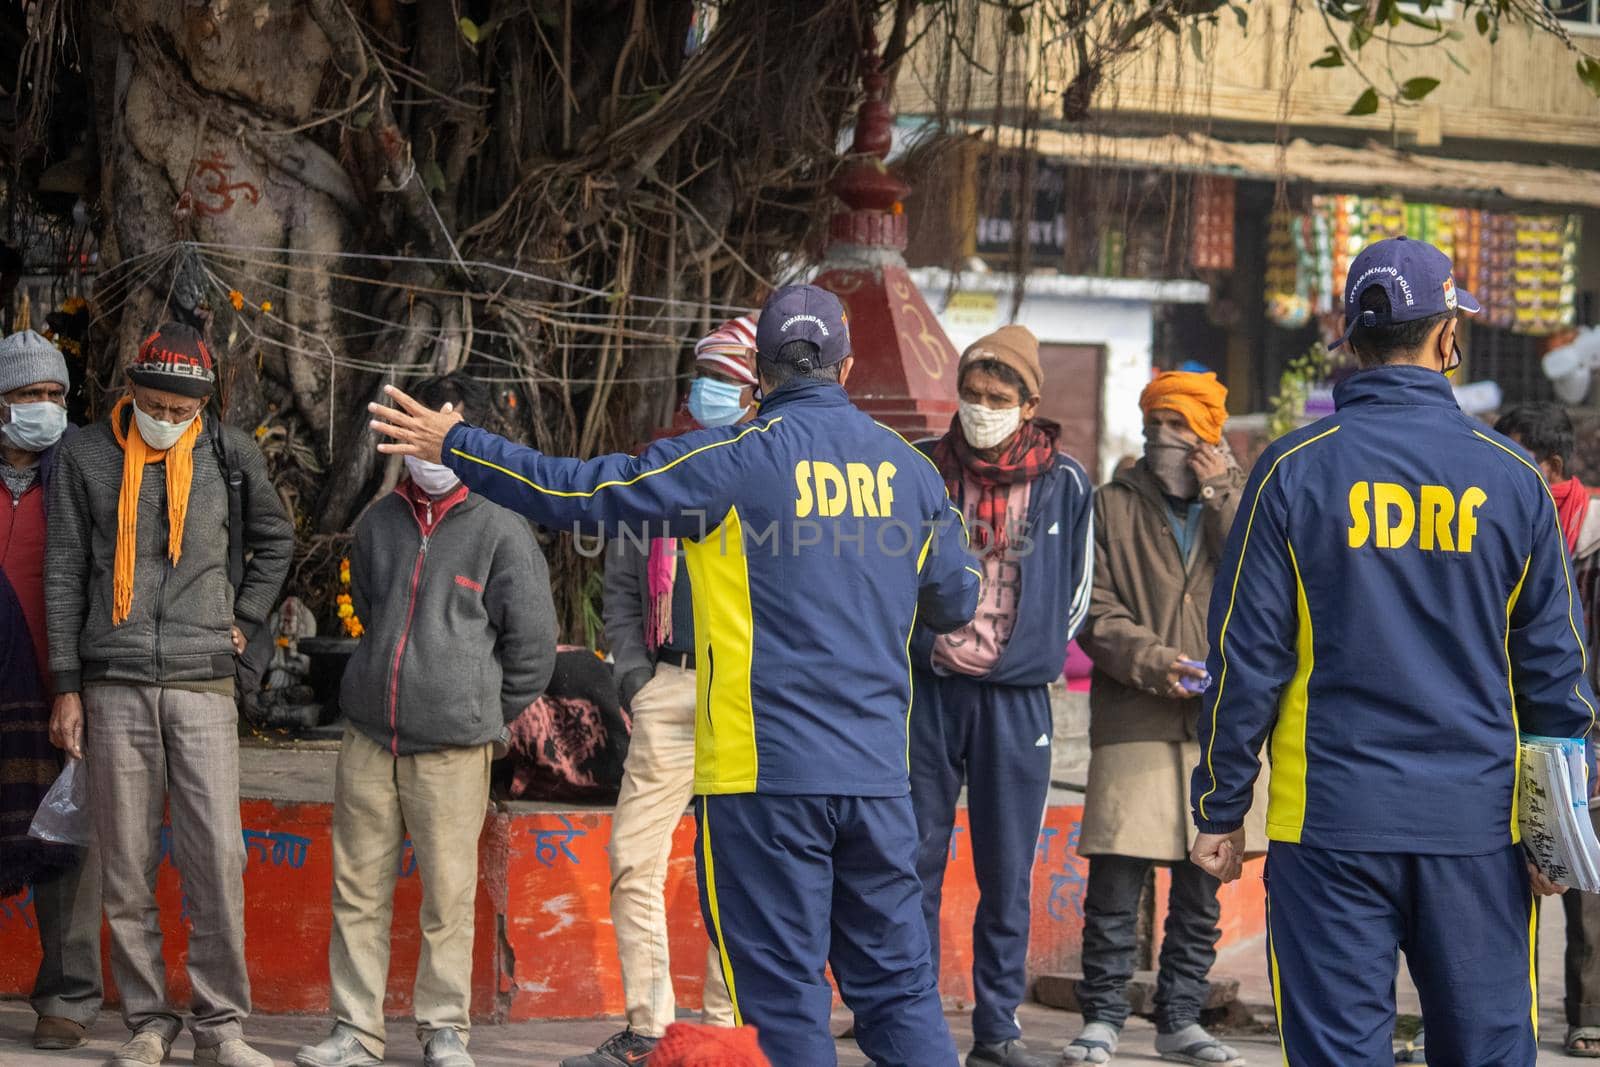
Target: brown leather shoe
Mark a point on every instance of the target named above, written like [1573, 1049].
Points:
[54, 1034]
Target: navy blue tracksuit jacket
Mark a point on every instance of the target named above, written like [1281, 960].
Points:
[1394, 606]
[992, 734]
[816, 540]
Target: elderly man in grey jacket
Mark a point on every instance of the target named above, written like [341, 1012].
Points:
[144, 623]
[460, 637]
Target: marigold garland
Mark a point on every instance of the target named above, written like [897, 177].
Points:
[347, 608]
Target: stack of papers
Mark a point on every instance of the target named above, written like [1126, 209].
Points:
[1553, 812]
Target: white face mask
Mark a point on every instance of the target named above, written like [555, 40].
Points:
[435, 479]
[35, 427]
[158, 433]
[987, 427]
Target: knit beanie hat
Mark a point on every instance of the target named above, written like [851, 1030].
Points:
[26, 358]
[1010, 346]
[174, 359]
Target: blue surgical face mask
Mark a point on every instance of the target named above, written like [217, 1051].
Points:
[35, 427]
[714, 403]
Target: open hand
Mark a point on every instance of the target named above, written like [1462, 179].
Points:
[1220, 855]
[416, 430]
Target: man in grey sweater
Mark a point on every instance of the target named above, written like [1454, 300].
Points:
[460, 637]
[144, 624]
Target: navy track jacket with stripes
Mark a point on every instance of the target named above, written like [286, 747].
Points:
[1394, 605]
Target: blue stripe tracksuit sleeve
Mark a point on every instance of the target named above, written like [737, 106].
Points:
[688, 481]
[1544, 637]
[1253, 614]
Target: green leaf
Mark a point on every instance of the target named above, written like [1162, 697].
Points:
[1197, 44]
[469, 30]
[1360, 34]
[1330, 58]
[1366, 104]
[432, 177]
[1243, 16]
[1417, 88]
[1482, 20]
[1431, 25]
[1456, 63]
[361, 120]
[1589, 72]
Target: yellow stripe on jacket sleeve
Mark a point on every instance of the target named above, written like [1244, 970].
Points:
[1516, 726]
[1233, 599]
[1561, 552]
[620, 483]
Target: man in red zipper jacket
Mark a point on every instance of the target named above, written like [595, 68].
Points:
[66, 888]
[454, 598]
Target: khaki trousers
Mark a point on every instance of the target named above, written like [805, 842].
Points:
[657, 783]
[150, 748]
[439, 799]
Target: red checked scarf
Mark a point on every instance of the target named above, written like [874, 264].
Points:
[1031, 452]
[1572, 506]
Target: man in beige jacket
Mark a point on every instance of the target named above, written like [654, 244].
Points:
[1160, 532]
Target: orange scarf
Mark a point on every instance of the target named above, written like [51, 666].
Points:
[136, 455]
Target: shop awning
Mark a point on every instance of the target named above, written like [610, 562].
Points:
[1371, 167]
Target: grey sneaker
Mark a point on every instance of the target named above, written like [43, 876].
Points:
[231, 1053]
[340, 1048]
[147, 1048]
[446, 1049]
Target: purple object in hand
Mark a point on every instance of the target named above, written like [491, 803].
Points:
[1194, 685]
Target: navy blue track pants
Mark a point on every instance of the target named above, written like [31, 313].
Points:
[790, 885]
[1336, 922]
[996, 739]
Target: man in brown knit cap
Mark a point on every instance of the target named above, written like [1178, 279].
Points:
[981, 711]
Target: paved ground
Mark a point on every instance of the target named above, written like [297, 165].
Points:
[304, 772]
[544, 1044]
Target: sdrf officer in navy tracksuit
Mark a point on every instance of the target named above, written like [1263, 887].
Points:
[982, 711]
[816, 541]
[1394, 605]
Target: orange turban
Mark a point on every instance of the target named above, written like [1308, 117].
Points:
[1199, 398]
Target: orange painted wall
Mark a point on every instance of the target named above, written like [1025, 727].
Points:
[544, 946]
[288, 885]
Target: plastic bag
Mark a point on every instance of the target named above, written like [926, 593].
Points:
[63, 815]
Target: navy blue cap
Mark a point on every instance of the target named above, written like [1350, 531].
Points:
[1413, 274]
[803, 313]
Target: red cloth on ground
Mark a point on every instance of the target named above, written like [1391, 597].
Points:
[693, 1045]
[1572, 507]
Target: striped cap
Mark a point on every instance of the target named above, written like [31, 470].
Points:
[731, 349]
[175, 359]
